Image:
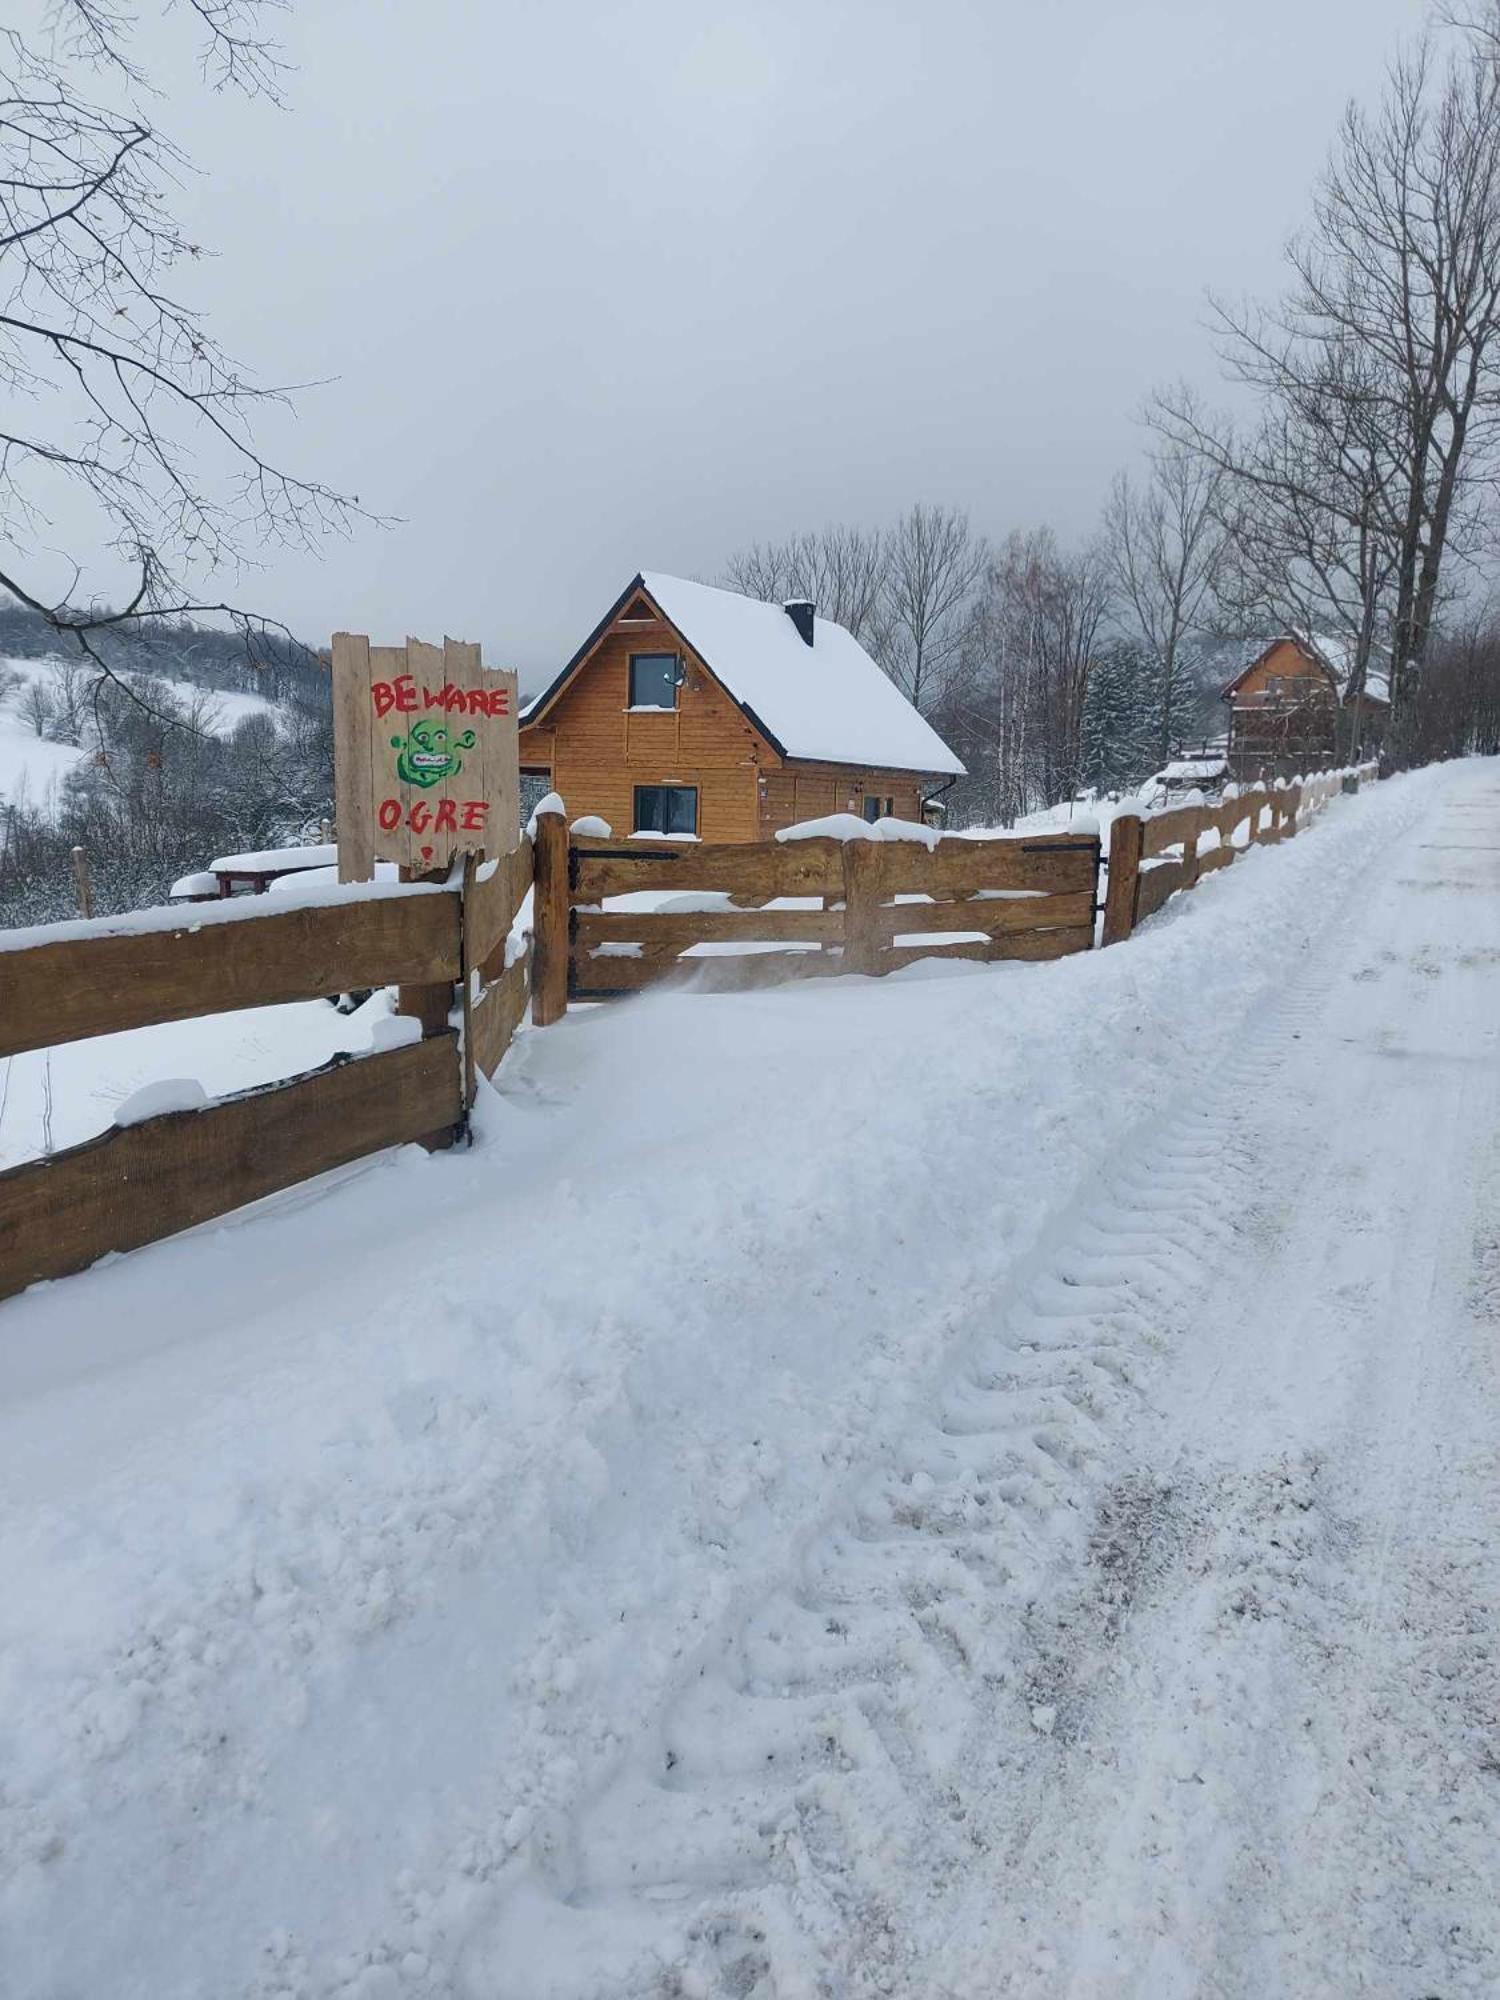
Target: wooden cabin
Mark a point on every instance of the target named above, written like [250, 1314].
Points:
[1289, 708]
[692, 711]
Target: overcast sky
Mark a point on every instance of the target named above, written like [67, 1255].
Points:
[608, 287]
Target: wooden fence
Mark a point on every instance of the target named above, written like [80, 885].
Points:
[729, 915]
[750, 914]
[445, 949]
[1153, 855]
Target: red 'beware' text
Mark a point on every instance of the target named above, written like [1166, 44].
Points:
[403, 695]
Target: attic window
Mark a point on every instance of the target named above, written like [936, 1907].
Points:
[637, 610]
[654, 679]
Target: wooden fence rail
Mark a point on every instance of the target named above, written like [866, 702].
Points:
[745, 915]
[447, 949]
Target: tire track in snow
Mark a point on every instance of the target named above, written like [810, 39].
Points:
[816, 1753]
[1284, 1808]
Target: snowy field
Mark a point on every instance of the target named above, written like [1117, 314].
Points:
[982, 1482]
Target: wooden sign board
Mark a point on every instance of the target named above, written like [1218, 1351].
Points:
[426, 755]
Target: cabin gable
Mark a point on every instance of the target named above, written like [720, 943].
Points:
[1285, 712]
[638, 729]
[1286, 672]
[598, 747]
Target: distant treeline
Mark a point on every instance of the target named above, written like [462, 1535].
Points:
[262, 662]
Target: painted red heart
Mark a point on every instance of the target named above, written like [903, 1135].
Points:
[426, 853]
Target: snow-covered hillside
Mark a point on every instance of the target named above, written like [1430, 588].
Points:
[31, 765]
[982, 1482]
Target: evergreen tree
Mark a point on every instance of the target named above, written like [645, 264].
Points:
[1119, 718]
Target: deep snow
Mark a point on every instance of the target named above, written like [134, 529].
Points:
[977, 1482]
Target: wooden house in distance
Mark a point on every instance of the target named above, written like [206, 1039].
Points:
[693, 711]
[1289, 708]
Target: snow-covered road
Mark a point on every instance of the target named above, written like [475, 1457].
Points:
[958, 1485]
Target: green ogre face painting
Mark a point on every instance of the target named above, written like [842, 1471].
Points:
[428, 752]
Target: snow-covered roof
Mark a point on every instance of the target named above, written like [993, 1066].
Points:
[1182, 769]
[268, 860]
[828, 700]
[203, 882]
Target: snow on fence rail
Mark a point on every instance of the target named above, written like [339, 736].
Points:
[444, 946]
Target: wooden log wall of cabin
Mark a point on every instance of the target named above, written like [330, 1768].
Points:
[601, 749]
[801, 789]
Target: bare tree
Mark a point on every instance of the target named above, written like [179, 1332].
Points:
[905, 593]
[843, 570]
[36, 707]
[1033, 636]
[1164, 546]
[1307, 497]
[936, 563]
[1380, 369]
[122, 406]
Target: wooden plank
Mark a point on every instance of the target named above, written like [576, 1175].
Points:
[862, 892]
[551, 922]
[667, 931]
[433, 849]
[959, 867]
[468, 980]
[353, 802]
[499, 1013]
[495, 903]
[1029, 913]
[1232, 814]
[134, 1185]
[1029, 945]
[749, 972]
[763, 870]
[1156, 885]
[388, 663]
[1171, 829]
[54, 993]
[1216, 858]
[1120, 895]
[601, 978]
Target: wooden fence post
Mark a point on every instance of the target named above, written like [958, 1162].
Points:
[431, 1005]
[83, 882]
[1125, 837]
[1190, 854]
[862, 874]
[551, 913]
[466, 971]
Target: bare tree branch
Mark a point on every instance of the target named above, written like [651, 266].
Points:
[134, 413]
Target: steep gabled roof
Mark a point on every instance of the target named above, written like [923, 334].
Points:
[828, 701]
[1334, 654]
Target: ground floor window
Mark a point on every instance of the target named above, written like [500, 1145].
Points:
[666, 808]
[873, 810]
